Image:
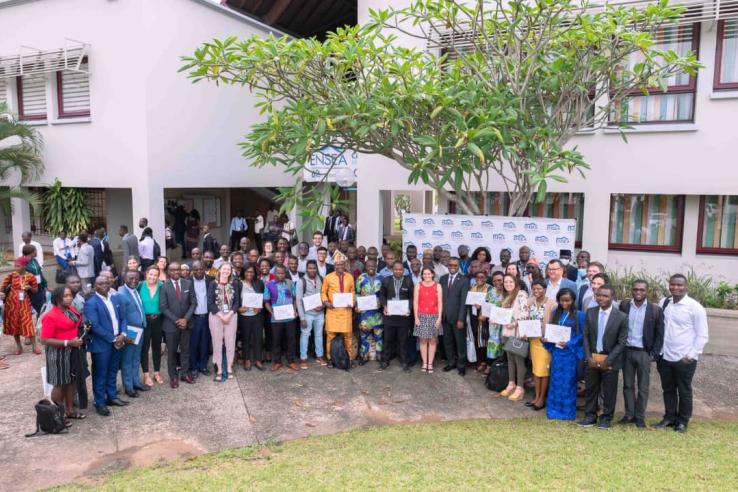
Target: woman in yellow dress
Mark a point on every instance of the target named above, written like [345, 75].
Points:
[540, 307]
[338, 320]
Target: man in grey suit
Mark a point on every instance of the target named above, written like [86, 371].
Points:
[177, 303]
[129, 243]
[455, 287]
[85, 262]
[605, 337]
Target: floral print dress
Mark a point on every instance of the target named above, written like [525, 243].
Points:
[370, 322]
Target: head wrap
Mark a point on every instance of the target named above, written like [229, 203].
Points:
[532, 261]
[339, 257]
[22, 261]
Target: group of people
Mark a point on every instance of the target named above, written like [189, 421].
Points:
[269, 306]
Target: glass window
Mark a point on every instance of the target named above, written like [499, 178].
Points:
[646, 222]
[726, 55]
[718, 224]
[676, 104]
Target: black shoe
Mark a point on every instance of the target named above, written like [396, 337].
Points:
[664, 424]
[529, 404]
[604, 425]
[117, 402]
[383, 365]
[141, 387]
[362, 361]
[204, 372]
[449, 367]
[587, 422]
[104, 411]
[132, 394]
[640, 424]
[537, 408]
[627, 420]
[406, 367]
[462, 371]
[681, 428]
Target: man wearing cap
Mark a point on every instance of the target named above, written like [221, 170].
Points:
[570, 271]
[464, 259]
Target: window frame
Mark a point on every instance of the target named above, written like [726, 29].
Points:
[60, 98]
[716, 84]
[19, 97]
[690, 88]
[679, 240]
[711, 250]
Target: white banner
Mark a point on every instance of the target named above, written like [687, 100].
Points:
[344, 168]
[544, 237]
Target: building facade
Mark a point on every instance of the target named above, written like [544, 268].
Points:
[125, 125]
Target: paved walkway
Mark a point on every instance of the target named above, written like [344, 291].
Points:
[260, 407]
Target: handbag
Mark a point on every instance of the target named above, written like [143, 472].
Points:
[471, 349]
[517, 346]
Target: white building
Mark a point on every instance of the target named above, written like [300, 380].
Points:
[665, 200]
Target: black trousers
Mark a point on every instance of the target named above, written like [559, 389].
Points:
[396, 329]
[636, 365]
[178, 339]
[676, 382]
[236, 237]
[252, 328]
[280, 331]
[454, 341]
[152, 338]
[607, 382]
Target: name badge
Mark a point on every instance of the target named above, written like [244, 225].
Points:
[226, 309]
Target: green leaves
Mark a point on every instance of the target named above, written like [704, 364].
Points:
[65, 209]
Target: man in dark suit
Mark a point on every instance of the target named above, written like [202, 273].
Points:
[645, 339]
[129, 243]
[605, 335]
[177, 302]
[331, 225]
[455, 286]
[131, 353]
[108, 320]
[200, 336]
[396, 287]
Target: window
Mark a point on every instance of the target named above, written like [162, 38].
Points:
[726, 55]
[717, 231]
[646, 222]
[674, 105]
[3, 90]
[73, 92]
[32, 97]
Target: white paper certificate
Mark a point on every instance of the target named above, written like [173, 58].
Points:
[475, 298]
[135, 333]
[398, 308]
[341, 300]
[499, 315]
[312, 302]
[557, 333]
[487, 309]
[530, 328]
[282, 313]
[366, 303]
[252, 300]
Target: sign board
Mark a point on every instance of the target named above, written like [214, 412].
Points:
[544, 237]
[344, 164]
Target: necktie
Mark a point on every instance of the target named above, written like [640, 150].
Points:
[601, 331]
[139, 304]
[177, 290]
[450, 280]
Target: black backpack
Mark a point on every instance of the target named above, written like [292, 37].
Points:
[497, 378]
[339, 357]
[49, 418]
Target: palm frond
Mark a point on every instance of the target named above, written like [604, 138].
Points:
[6, 193]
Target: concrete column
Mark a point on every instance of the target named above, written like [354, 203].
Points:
[149, 202]
[596, 224]
[369, 209]
[21, 220]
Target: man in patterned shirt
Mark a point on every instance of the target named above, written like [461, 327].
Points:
[370, 321]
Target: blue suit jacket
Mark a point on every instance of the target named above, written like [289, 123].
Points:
[132, 313]
[97, 313]
[567, 284]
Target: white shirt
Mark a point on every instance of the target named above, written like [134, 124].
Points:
[111, 310]
[553, 289]
[218, 262]
[270, 215]
[201, 293]
[39, 251]
[604, 325]
[286, 228]
[258, 224]
[238, 224]
[685, 330]
[440, 270]
[62, 247]
[146, 248]
[302, 264]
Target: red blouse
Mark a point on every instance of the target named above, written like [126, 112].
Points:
[428, 299]
[55, 324]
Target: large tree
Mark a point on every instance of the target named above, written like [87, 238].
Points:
[20, 158]
[496, 97]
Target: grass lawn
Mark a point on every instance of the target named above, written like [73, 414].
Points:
[532, 454]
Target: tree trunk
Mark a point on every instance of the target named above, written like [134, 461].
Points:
[518, 203]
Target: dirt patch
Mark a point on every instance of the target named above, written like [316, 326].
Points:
[147, 455]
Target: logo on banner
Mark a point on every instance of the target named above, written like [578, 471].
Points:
[531, 226]
[438, 233]
[419, 233]
[498, 237]
[445, 247]
[572, 228]
[477, 236]
[487, 224]
[467, 224]
[409, 243]
[429, 221]
[427, 246]
[520, 238]
[409, 220]
[532, 252]
[562, 240]
[553, 227]
[457, 235]
[509, 226]
[550, 254]
[541, 239]
[447, 223]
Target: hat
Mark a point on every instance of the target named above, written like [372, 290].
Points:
[22, 261]
[532, 261]
[565, 253]
[339, 257]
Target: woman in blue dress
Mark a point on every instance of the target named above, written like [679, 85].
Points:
[561, 403]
